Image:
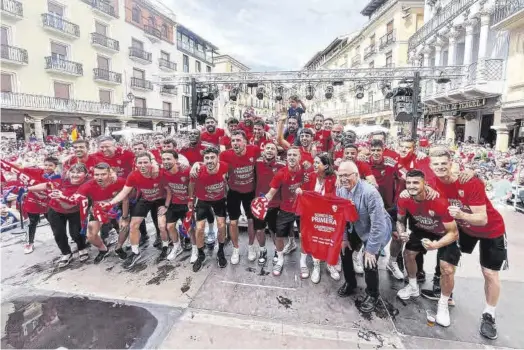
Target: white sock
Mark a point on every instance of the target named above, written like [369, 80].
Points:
[176, 245]
[413, 282]
[291, 240]
[490, 310]
[280, 256]
[303, 258]
[443, 300]
[194, 247]
[165, 243]
[316, 262]
[211, 227]
[392, 259]
[134, 249]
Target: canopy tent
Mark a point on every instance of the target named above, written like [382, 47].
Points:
[363, 130]
[128, 132]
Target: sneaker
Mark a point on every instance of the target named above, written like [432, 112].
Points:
[338, 266]
[199, 263]
[315, 274]
[333, 273]
[83, 255]
[407, 292]
[102, 254]
[235, 257]
[131, 260]
[304, 272]
[357, 263]
[368, 304]
[421, 277]
[290, 246]
[251, 253]
[443, 315]
[158, 243]
[65, 260]
[194, 254]
[210, 238]
[175, 251]
[28, 248]
[277, 269]
[262, 258]
[395, 270]
[221, 260]
[434, 294]
[275, 258]
[186, 244]
[163, 255]
[488, 328]
[122, 255]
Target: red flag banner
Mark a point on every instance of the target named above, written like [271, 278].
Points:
[322, 224]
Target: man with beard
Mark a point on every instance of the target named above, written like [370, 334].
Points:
[351, 153]
[290, 137]
[265, 169]
[241, 182]
[211, 136]
[209, 189]
[153, 198]
[259, 138]
[348, 137]
[225, 141]
[120, 160]
[158, 140]
[103, 188]
[170, 145]
[247, 124]
[322, 136]
[388, 152]
[81, 148]
[287, 180]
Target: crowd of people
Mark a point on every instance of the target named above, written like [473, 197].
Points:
[409, 197]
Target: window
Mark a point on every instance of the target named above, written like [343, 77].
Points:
[166, 107]
[58, 51]
[185, 39]
[140, 102]
[178, 36]
[152, 22]
[136, 14]
[191, 45]
[200, 48]
[55, 9]
[4, 35]
[389, 59]
[165, 31]
[138, 73]
[61, 90]
[198, 66]
[389, 27]
[186, 89]
[101, 28]
[372, 40]
[7, 82]
[185, 104]
[103, 62]
[164, 55]
[185, 60]
[208, 69]
[105, 96]
[137, 44]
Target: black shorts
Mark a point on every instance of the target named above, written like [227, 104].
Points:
[285, 223]
[493, 251]
[270, 220]
[143, 207]
[176, 212]
[205, 208]
[234, 199]
[450, 253]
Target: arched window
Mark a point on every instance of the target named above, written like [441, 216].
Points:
[136, 14]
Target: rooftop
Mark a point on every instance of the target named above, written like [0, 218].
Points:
[232, 60]
[186, 31]
[371, 7]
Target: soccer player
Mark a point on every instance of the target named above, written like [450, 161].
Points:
[259, 134]
[351, 154]
[431, 228]
[209, 189]
[211, 136]
[225, 141]
[388, 152]
[82, 155]
[290, 136]
[159, 141]
[328, 124]
[120, 160]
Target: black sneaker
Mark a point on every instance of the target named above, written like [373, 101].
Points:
[121, 253]
[186, 244]
[102, 254]
[199, 263]
[488, 328]
[163, 255]
[131, 260]
[368, 304]
[158, 243]
[421, 277]
[143, 240]
[221, 260]
[262, 258]
[431, 294]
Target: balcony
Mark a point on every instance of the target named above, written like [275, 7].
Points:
[168, 92]
[386, 40]
[507, 14]
[369, 51]
[166, 65]
[355, 61]
[14, 55]
[107, 76]
[140, 56]
[204, 56]
[452, 10]
[61, 66]
[154, 34]
[141, 84]
[151, 113]
[102, 8]
[59, 25]
[104, 43]
[12, 10]
[12, 100]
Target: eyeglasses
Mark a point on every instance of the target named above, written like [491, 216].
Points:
[346, 175]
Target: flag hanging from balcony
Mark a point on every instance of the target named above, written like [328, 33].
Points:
[74, 133]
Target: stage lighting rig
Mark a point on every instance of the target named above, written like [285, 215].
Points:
[310, 92]
[233, 94]
[260, 93]
[359, 92]
[279, 93]
[329, 91]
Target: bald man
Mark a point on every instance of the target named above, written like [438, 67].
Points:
[372, 230]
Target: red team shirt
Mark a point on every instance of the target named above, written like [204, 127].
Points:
[288, 182]
[241, 168]
[151, 189]
[323, 138]
[305, 156]
[226, 142]
[265, 172]
[194, 154]
[385, 174]
[211, 187]
[96, 193]
[67, 189]
[89, 163]
[122, 162]
[213, 139]
[428, 215]
[178, 183]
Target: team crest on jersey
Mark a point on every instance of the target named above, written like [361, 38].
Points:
[431, 212]
[461, 193]
[155, 185]
[383, 172]
[118, 161]
[183, 178]
[335, 208]
[114, 193]
[251, 159]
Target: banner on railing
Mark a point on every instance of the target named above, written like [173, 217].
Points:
[450, 107]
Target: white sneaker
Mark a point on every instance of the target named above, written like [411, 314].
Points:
[175, 251]
[408, 292]
[338, 266]
[333, 272]
[290, 246]
[28, 248]
[357, 263]
[392, 267]
[194, 254]
[251, 253]
[315, 274]
[235, 257]
[443, 315]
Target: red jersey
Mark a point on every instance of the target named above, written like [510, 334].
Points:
[265, 171]
[241, 176]
[260, 142]
[323, 139]
[212, 140]
[193, 154]
[364, 169]
[35, 202]
[385, 173]
[290, 138]
[65, 206]
[157, 153]
[150, 188]
[305, 156]
[409, 163]
[226, 141]
[473, 193]
[122, 161]
[428, 215]
[288, 182]
[96, 193]
[90, 163]
[211, 187]
[248, 130]
[327, 188]
[178, 184]
[389, 153]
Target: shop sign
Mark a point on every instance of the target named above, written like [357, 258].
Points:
[457, 106]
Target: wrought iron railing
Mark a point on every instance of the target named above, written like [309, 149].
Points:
[446, 15]
[166, 91]
[64, 66]
[141, 83]
[493, 69]
[167, 64]
[107, 75]
[141, 54]
[386, 40]
[370, 51]
[102, 6]
[150, 112]
[153, 31]
[40, 102]
[13, 7]
[15, 54]
[51, 20]
[97, 38]
[504, 9]
[193, 51]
